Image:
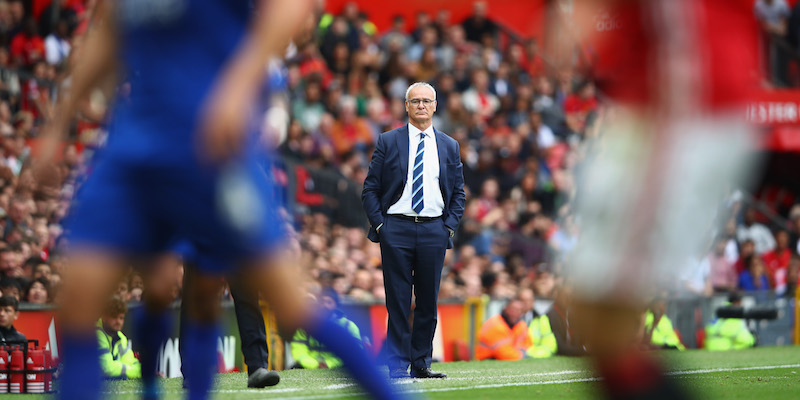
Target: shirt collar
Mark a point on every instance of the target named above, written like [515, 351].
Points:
[413, 131]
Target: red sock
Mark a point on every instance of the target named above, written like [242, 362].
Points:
[629, 374]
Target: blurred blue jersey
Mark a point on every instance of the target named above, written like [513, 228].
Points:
[148, 186]
[172, 52]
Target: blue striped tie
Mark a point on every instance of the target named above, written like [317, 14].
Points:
[416, 183]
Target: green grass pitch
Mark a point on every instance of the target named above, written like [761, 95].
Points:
[763, 373]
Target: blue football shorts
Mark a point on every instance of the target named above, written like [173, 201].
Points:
[138, 208]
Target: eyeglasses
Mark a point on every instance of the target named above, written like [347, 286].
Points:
[425, 102]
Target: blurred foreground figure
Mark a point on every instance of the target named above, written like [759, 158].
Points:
[673, 142]
[179, 164]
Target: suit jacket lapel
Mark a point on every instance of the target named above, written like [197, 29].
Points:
[402, 147]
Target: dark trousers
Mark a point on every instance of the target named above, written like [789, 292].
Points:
[413, 256]
[250, 320]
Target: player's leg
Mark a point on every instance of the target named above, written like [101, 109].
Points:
[200, 332]
[280, 283]
[228, 214]
[88, 282]
[107, 220]
[153, 320]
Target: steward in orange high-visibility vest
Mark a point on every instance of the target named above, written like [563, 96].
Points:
[504, 336]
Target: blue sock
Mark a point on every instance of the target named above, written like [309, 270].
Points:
[151, 330]
[81, 376]
[361, 366]
[200, 342]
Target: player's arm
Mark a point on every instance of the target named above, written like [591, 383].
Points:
[225, 117]
[96, 62]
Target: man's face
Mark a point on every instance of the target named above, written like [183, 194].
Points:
[748, 248]
[42, 271]
[527, 299]
[660, 307]
[749, 217]
[8, 260]
[11, 291]
[479, 9]
[7, 316]
[782, 239]
[114, 322]
[16, 212]
[481, 81]
[420, 114]
[17, 10]
[514, 311]
[328, 303]
[122, 289]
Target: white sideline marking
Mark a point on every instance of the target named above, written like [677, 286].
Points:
[549, 382]
[339, 386]
[483, 386]
[165, 391]
[706, 371]
[286, 390]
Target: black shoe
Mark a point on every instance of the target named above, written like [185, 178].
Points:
[427, 373]
[263, 377]
[398, 373]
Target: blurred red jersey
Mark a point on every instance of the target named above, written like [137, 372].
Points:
[643, 51]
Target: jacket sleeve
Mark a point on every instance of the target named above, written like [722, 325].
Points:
[455, 209]
[301, 351]
[548, 339]
[522, 337]
[371, 194]
[115, 369]
[514, 344]
[744, 338]
[508, 352]
[497, 341]
[133, 368]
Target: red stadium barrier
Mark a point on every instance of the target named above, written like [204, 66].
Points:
[39, 325]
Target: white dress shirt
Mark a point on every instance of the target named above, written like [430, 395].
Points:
[431, 193]
[55, 49]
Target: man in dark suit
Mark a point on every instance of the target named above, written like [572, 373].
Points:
[414, 199]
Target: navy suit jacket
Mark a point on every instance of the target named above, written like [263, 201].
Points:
[388, 173]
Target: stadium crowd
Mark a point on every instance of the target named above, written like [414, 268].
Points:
[779, 25]
[525, 124]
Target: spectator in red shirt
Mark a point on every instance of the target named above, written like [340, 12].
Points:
[579, 104]
[535, 63]
[27, 47]
[777, 262]
[36, 93]
[477, 99]
[488, 200]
